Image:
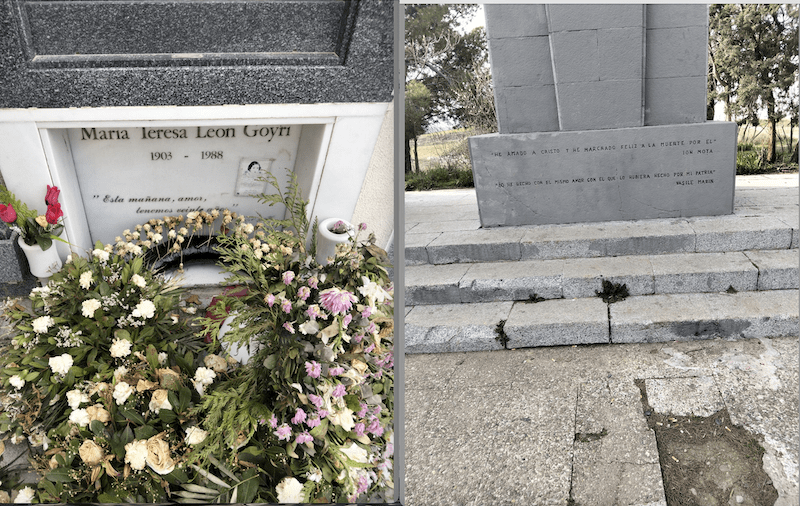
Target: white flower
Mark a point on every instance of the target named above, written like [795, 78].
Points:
[136, 454]
[79, 417]
[315, 475]
[158, 457]
[373, 291]
[157, 238]
[309, 327]
[16, 381]
[86, 280]
[145, 309]
[89, 307]
[290, 491]
[171, 234]
[120, 348]
[216, 363]
[159, 401]
[41, 324]
[75, 398]
[162, 358]
[204, 375]
[101, 254]
[25, 496]
[120, 372]
[355, 453]
[61, 364]
[195, 435]
[122, 391]
[343, 418]
[138, 281]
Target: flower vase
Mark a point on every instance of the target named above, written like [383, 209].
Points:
[42, 263]
[327, 239]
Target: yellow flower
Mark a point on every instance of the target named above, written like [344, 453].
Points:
[42, 221]
[98, 412]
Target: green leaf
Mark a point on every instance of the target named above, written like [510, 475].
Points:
[31, 376]
[271, 361]
[248, 488]
[352, 402]
[59, 475]
[377, 388]
[97, 427]
[145, 432]
[167, 415]
[109, 497]
[131, 415]
[320, 430]
[184, 398]
[177, 476]
[49, 487]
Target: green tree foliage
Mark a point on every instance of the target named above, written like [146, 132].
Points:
[418, 113]
[443, 59]
[753, 59]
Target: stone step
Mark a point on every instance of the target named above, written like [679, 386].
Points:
[637, 319]
[582, 277]
[425, 244]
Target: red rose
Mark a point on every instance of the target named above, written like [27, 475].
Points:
[52, 195]
[7, 213]
[53, 213]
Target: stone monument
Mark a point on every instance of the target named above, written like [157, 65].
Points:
[138, 110]
[601, 112]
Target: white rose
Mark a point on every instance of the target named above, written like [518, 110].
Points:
[41, 324]
[195, 435]
[145, 309]
[159, 401]
[158, 457]
[204, 375]
[16, 381]
[120, 348]
[101, 254]
[75, 398]
[138, 281]
[355, 453]
[162, 358]
[88, 307]
[98, 412]
[136, 454]
[290, 491]
[86, 280]
[120, 372]
[25, 496]
[373, 292]
[79, 417]
[121, 393]
[215, 362]
[91, 454]
[343, 418]
[157, 238]
[61, 364]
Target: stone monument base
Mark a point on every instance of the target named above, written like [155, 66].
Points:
[605, 175]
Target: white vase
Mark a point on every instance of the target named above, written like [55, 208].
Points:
[43, 263]
[327, 239]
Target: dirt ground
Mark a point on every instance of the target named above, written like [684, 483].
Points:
[708, 461]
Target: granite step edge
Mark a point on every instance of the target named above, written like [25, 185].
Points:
[565, 322]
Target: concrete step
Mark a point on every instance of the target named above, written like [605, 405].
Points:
[582, 277]
[447, 244]
[637, 319]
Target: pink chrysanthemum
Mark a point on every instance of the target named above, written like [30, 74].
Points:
[367, 312]
[303, 437]
[303, 293]
[313, 282]
[335, 371]
[273, 421]
[313, 312]
[286, 305]
[346, 320]
[269, 299]
[313, 369]
[288, 276]
[313, 422]
[359, 429]
[339, 391]
[316, 400]
[337, 301]
[284, 432]
[288, 326]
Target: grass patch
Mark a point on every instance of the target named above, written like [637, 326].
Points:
[613, 292]
[439, 178]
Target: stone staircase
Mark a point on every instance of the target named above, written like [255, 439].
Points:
[687, 278]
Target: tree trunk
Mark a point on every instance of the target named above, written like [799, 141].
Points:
[408, 155]
[416, 156]
[771, 155]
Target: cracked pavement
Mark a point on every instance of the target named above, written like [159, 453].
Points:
[549, 425]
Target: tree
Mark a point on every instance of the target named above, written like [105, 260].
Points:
[441, 58]
[753, 50]
[418, 109]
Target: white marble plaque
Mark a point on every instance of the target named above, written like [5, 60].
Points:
[128, 175]
[605, 175]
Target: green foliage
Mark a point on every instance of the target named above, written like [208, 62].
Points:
[440, 178]
[613, 292]
[500, 334]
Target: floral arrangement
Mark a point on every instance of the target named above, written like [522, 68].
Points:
[312, 408]
[121, 399]
[33, 227]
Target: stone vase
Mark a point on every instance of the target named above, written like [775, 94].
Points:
[42, 263]
[327, 239]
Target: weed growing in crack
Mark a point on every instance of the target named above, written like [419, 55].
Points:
[613, 292]
[534, 297]
[501, 336]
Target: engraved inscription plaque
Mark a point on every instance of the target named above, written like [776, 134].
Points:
[128, 175]
[604, 175]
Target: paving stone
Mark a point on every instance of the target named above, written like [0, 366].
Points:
[557, 322]
[660, 318]
[433, 284]
[467, 327]
[777, 269]
[703, 272]
[416, 251]
[684, 396]
[583, 277]
[476, 246]
[435, 227]
[739, 233]
[487, 282]
[616, 238]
